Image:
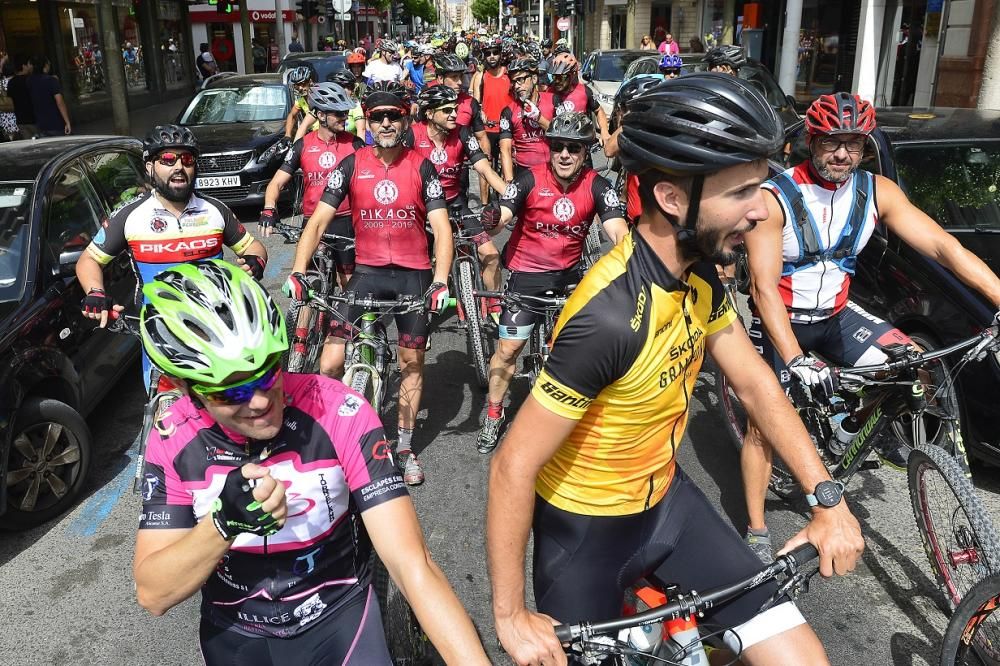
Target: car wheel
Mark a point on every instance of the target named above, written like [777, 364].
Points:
[49, 458]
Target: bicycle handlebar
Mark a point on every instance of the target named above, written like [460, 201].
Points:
[524, 300]
[368, 302]
[687, 604]
[293, 235]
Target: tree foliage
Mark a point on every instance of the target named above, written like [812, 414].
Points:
[484, 11]
[422, 8]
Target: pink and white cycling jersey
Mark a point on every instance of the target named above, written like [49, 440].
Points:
[333, 459]
[816, 290]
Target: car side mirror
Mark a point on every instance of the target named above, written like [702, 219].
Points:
[588, 76]
[67, 262]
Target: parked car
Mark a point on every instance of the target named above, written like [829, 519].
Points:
[604, 70]
[322, 63]
[947, 161]
[55, 365]
[238, 121]
[754, 72]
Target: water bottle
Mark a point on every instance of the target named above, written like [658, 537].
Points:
[846, 430]
[646, 638]
[684, 646]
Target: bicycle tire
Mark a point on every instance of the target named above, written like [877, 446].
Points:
[408, 644]
[974, 629]
[298, 352]
[592, 247]
[317, 338]
[361, 383]
[298, 216]
[961, 544]
[475, 333]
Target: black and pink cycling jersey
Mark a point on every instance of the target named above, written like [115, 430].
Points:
[580, 99]
[317, 158]
[552, 222]
[333, 459]
[449, 158]
[531, 148]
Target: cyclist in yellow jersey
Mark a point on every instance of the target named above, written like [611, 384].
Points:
[588, 464]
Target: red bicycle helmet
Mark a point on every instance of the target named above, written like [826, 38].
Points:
[840, 113]
[356, 58]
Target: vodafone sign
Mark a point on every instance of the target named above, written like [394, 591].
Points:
[256, 16]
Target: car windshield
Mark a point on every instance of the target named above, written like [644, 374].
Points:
[246, 104]
[612, 66]
[957, 185]
[14, 201]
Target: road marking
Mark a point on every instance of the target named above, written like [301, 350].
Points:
[92, 513]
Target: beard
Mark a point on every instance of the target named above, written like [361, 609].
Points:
[708, 246]
[385, 142]
[823, 171]
[174, 192]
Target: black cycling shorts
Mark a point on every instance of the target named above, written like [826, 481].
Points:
[388, 282]
[849, 338]
[352, 635]
[344, 256]
[517, 324]
[583, 564]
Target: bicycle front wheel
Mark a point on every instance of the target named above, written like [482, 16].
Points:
[298, 336]
[479, 341]
[973, 634]
[959, 539]
[361, 382]
[408, 644]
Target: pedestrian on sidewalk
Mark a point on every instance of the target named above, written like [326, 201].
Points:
[17, 91]
[206, 62]
[296, 45]
[8, 120]
[51, 114]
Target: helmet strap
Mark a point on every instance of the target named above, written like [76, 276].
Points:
[688, 232]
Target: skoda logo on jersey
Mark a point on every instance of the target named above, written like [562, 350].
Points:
[434, 189]
[158, 224]
[336, 180]
[327, 160]
[439, 156]
[611, 199]
[563, 209]
[386, 192]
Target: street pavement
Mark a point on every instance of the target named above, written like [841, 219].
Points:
[69, 595]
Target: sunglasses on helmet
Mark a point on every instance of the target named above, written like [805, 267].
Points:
[170, 158]
[243, 391]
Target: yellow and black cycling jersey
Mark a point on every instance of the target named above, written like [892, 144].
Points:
[626, 352]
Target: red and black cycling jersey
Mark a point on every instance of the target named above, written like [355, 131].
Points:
[580, 98]
[317, 158]
[553, 222]
[389, 205]
[470, 113]
[449, 159]
[531, 148]
[330, 454]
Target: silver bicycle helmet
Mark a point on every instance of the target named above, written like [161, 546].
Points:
[329, 97]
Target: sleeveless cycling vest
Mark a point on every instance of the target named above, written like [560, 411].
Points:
[317, 160]
[826, 226]
[495, 96]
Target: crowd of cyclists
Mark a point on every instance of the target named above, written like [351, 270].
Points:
[268, 490]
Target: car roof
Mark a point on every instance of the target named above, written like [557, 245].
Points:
[245, 80]
[904, 124]
[23, 160]
[312, 55]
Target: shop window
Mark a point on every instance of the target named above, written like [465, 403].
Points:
[131, 48]
[173, 44]
[82, 48]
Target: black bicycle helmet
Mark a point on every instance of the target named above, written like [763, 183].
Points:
[636, 86]
[329, 97]
[165, 137]
[386, 93]
[523, 65]
[546, 43]
[572, 126]
[431, 97]
[448, 63]
[343, 77]
[299, 75]
[729, 54]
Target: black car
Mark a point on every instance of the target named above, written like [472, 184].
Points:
[238, 121]
[947, 161]
[54, 364]
[322, 63]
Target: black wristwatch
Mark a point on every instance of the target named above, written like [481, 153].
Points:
[826, 494]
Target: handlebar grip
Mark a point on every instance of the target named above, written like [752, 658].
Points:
[804, 554]
[564, 633]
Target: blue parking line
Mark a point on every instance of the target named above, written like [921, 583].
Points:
[280, 258]
[98, 506]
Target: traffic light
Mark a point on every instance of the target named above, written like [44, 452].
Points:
[561, 8]
[308, 8]
[578, 7]
[224, 6]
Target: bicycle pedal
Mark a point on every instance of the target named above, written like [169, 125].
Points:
[871, 463]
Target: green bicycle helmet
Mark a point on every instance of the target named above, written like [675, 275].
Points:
[208, 320]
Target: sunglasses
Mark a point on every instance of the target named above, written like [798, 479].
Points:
[447, 110]
[170, 159]
[491, 52]
[573, 148]
[241, 392]
[379, 117]
[521, 79]
[339, 114]
[831, 145]
[560, 77]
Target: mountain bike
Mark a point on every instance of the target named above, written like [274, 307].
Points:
[158, 399]
[473, 313]
[663, 628]
[592, 247]
[369, 356]
[960, 541]
[307, 327]
[973, 634]
[549, 306]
